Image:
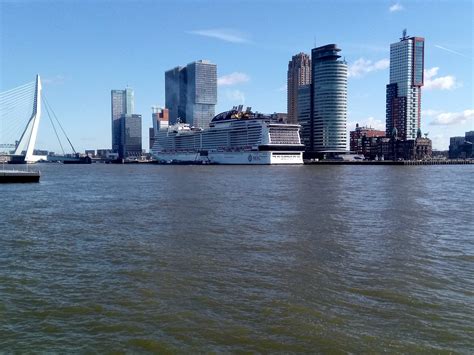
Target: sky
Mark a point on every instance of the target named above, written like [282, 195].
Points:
[83, 49]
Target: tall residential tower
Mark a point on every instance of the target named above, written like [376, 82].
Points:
[403, 111]
[299, 74]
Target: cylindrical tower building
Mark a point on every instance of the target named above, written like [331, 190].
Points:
[329, 87]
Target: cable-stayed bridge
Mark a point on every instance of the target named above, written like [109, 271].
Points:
[20, 114]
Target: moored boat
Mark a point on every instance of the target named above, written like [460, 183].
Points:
[19, 176]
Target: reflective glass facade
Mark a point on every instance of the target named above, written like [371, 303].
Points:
[191, 93]
[122, 102]
[201, 93]
[329, 100]
[131, 136]
[175, 93]
[418, 61]
[304, 115]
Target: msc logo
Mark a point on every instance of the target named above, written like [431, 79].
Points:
[250, 157]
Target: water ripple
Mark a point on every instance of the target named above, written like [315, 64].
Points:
[238, 259]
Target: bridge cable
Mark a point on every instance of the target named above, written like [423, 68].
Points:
[59, 123]
[17, 88]
[54, 127]
[15, 113]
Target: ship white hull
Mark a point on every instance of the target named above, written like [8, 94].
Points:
[166, 157]
[234, 158]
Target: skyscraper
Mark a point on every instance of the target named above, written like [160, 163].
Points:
[175, 93]
[191, 93]
[403, 110]
[130, 136]
[328, 101]
[122, 102]
[299, 74]
[201, 93]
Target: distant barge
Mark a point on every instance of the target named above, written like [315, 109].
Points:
[18, 176]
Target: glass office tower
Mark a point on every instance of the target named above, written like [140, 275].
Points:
[175, 94]
[191, 93]
[122, 102]
[329, 100]
[130, 136]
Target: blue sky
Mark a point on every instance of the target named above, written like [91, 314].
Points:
[83, 49]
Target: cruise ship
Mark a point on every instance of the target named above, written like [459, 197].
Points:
[233, 137]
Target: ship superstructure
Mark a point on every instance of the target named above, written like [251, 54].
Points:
[233, 137]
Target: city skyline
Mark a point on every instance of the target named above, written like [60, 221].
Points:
[252, 64]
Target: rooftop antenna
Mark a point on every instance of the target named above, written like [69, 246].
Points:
[404, 33]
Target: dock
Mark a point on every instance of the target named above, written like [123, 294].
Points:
[19, 176]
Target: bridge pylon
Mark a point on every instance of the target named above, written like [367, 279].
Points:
[28, 138]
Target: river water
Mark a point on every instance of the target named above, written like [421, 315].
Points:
[106, 258]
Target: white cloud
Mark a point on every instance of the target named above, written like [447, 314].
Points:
[452, 118]
[396, 7]
[236, 96]
[432, 82]
[443, 83]
[282, 88]
[368, 122]
[55, 80]
[438, 141]
[363, 66]
[430, 113]
[233, 79]
[429, 73]
[224, 34]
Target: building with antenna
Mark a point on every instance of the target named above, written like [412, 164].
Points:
[403, 107]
